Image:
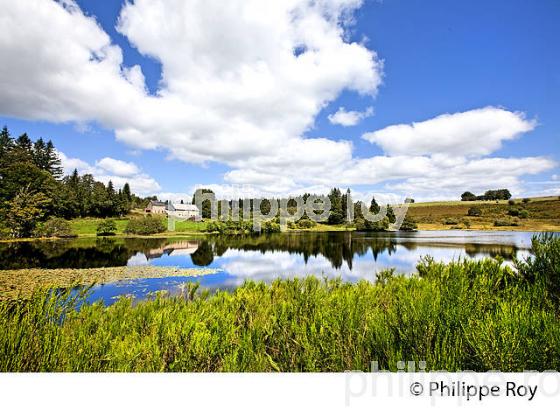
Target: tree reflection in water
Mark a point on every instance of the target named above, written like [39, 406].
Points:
[337, 247]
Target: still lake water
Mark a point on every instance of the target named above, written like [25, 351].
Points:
[348, 255]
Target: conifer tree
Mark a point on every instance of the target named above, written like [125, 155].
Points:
[53, 163]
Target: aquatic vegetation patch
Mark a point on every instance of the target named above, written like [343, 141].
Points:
[23, 283]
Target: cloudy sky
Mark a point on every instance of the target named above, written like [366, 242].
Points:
[252, 97]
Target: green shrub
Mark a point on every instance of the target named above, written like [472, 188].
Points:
[450, 221]
[55, 227]
[230, 227]
[107, 227]
[270, 227]
[514, 211]
[544, 264]
[511, 202]
[526, 200]
[506, 222]
[408, 224]
[474, 211]
[145, 226]
[306, 223]
[524, 214]
[363, 224]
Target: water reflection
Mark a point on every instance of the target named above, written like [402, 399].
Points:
[351, 256]
[345, 249]
[77, 253]
[347, 255]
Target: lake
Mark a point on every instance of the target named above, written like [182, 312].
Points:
[351, 256]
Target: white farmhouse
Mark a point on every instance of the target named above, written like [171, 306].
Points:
[156, 207]
[183, 211]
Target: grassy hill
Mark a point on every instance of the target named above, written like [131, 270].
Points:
[542, 214]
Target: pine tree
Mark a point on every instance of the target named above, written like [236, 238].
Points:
[74, 180]
[347, 206]
[71, 202]
[391, 215]
[40, 154]
[24, 142]
[126, 192]
[23, 149]
[110, 188]
[53, 163]
[112, 200]
[6, 144]
[18, 168]
[358, 214]
[374, 206]
[336, 216]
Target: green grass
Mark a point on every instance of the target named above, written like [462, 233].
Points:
[190, 226]
[466, 315]
[88, 226]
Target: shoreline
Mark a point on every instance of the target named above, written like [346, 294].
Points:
[323, 229]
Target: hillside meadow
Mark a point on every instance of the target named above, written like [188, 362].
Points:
[543, 214]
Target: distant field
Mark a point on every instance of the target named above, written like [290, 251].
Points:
[543, 214]
[518, 201]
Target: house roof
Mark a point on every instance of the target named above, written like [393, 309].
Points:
[184, 207]
[157, 203]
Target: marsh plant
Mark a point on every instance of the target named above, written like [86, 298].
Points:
[465, 315]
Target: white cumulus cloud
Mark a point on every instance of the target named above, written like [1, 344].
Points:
[240, 79]
[117, 171]
[476, 132]
[118, 167]
[349, 118]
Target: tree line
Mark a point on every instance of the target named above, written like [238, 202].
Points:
[490, 195]
[343, 210]
[33, 188]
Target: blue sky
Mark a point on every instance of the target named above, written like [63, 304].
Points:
[496, 62]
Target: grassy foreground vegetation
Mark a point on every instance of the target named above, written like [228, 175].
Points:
[475, 315]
